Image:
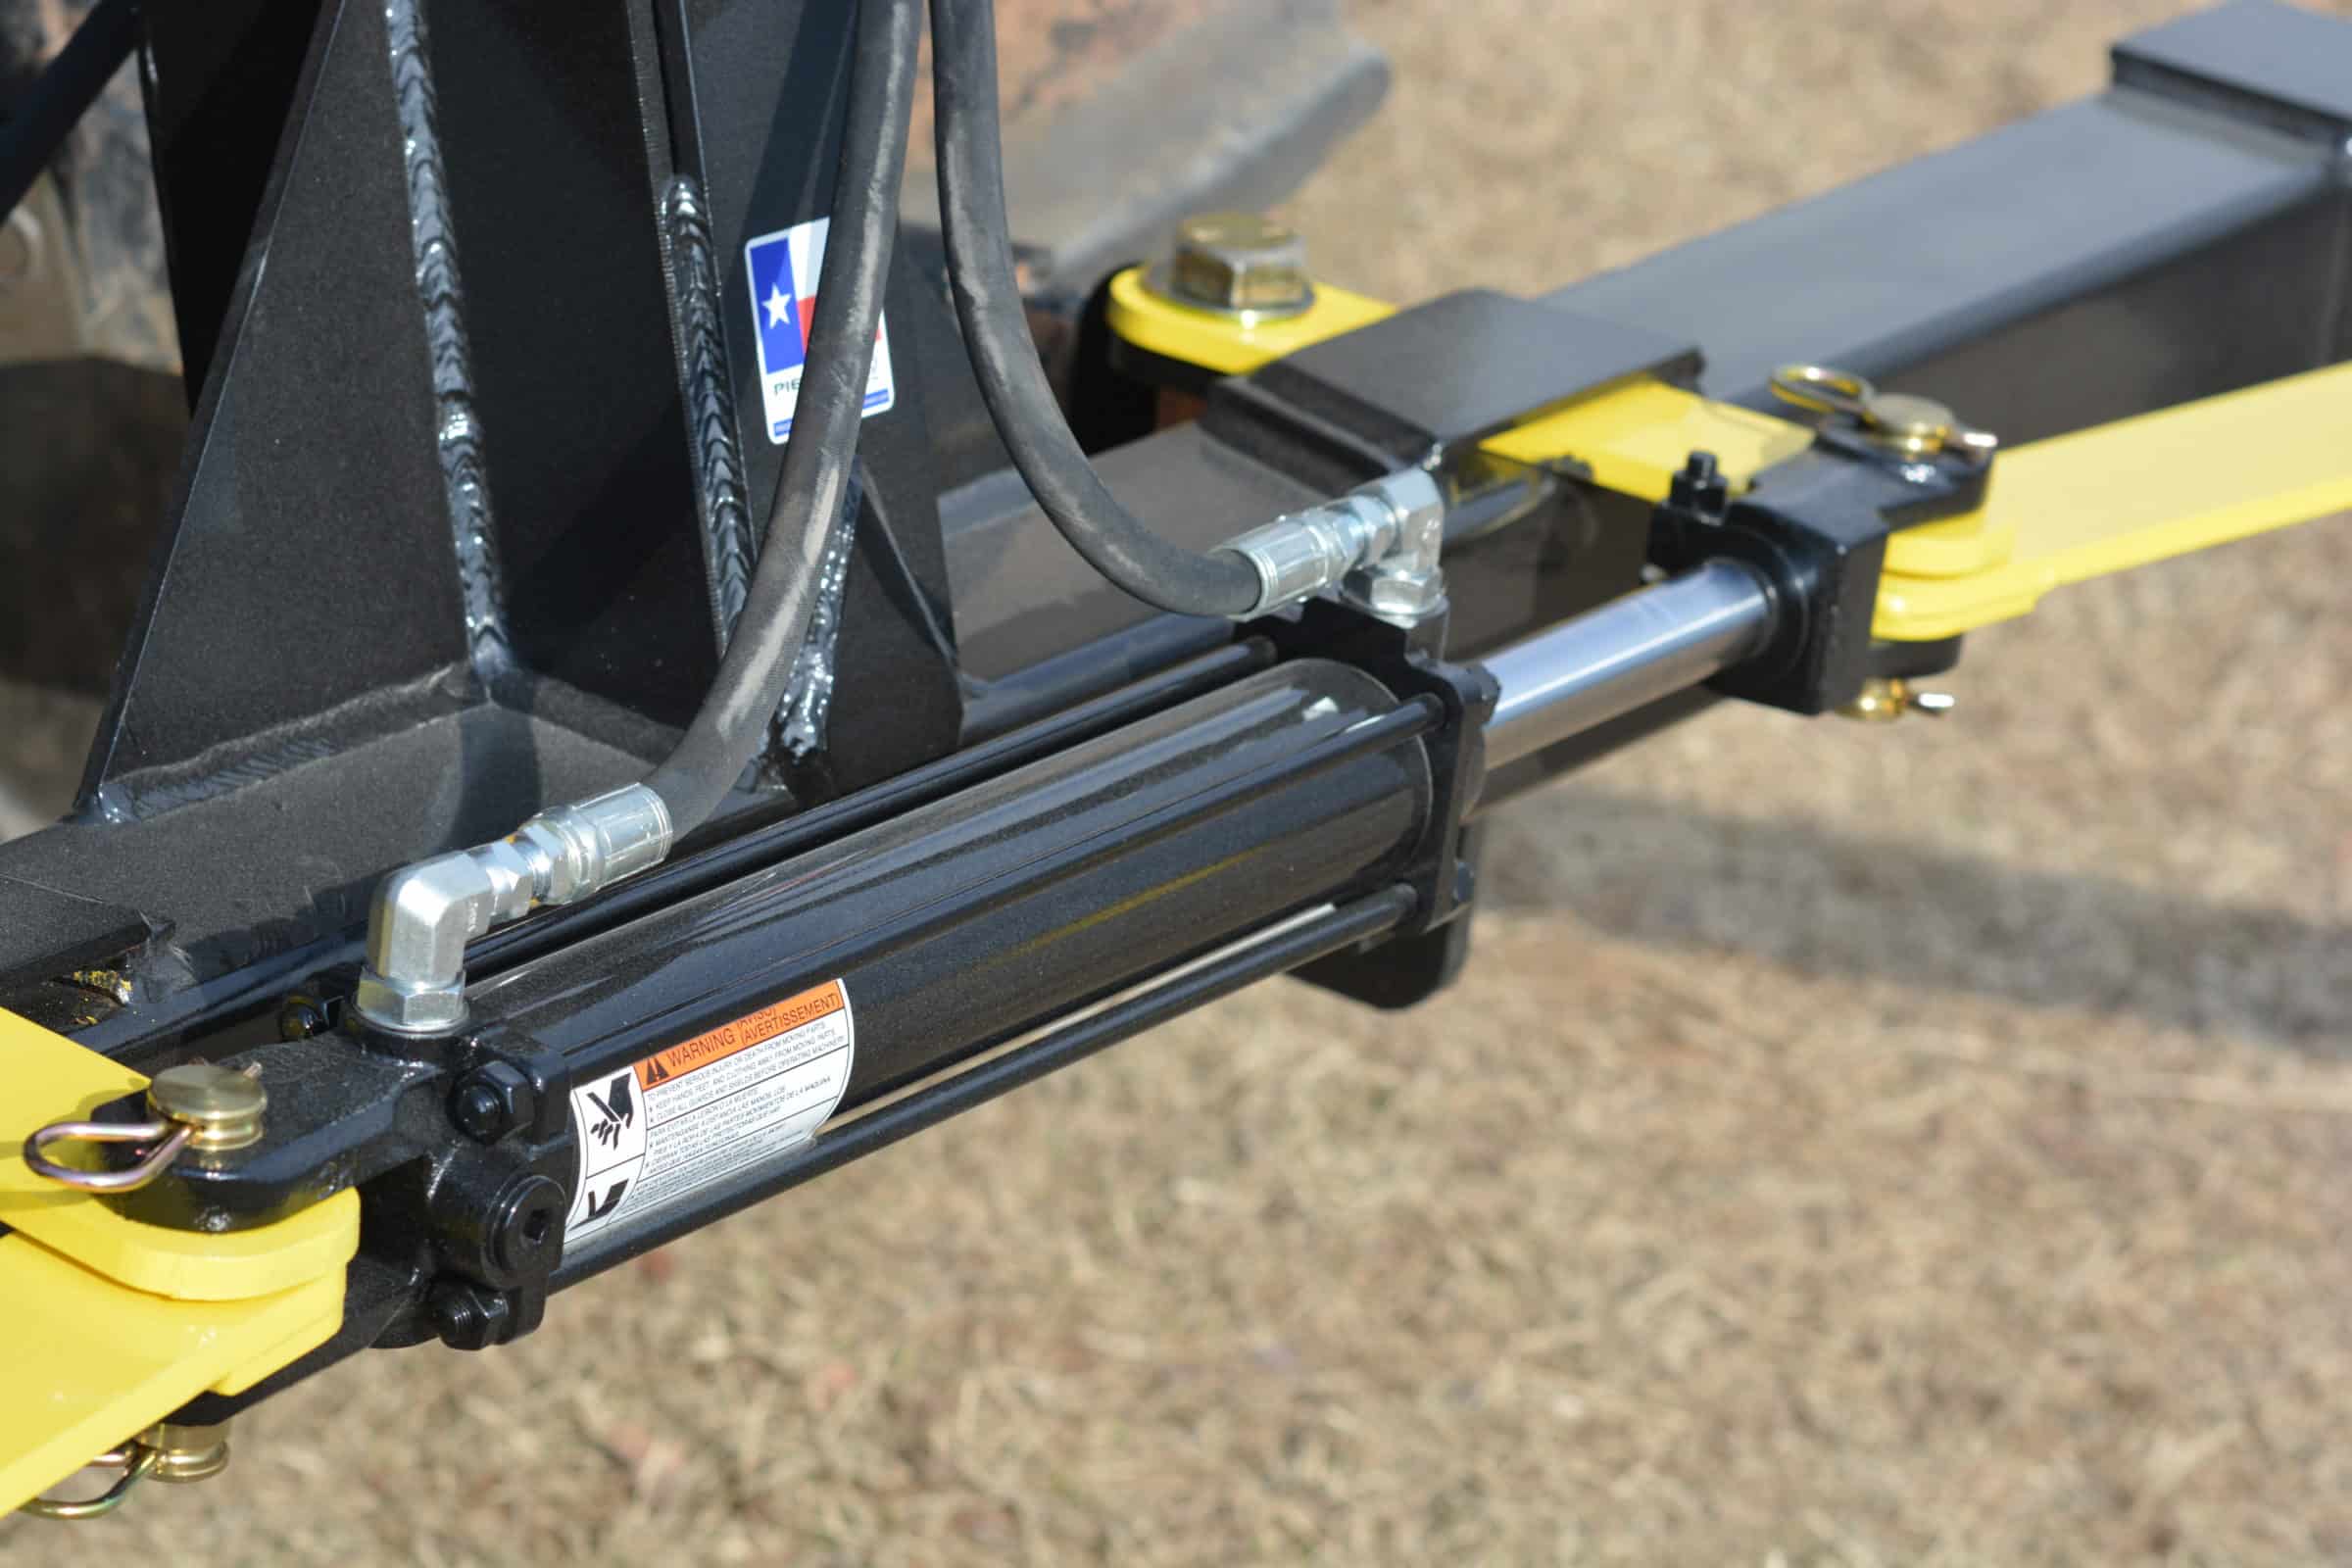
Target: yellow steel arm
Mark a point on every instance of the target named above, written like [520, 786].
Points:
[2120, 495]
[108, 1325]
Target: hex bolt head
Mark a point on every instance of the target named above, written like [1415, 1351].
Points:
[1700, 486]
[1402, 597]
[1240, 262]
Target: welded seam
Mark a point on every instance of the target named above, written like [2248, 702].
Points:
[730, 549]
[720, 490]
[433, 248]
[800, 728]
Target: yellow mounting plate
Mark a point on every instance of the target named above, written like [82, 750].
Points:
[1632, 437]
[1230, 343]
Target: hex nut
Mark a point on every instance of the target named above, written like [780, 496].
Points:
[418, 1011]
[1402, 597]
[492, 1101]
[467, 1317]
[302, 1016]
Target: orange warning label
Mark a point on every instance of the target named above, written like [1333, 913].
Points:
[658, 1130]
[753, 1029]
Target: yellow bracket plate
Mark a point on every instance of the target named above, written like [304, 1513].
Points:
[1631, 437]
[108, 1325]
[2122, 495]
[1634, 437]
[1230, 344]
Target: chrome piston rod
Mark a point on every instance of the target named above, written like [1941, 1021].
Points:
[1628, 652]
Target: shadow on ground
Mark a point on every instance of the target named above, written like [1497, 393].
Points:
[1842, 905]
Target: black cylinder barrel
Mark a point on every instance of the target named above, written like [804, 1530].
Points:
[964, 924]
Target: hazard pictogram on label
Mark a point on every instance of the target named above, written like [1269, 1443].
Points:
[706, 1108]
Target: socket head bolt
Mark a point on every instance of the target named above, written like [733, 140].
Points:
[1237, 261]
[1907, 425]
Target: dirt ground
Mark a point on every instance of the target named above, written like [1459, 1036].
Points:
[1852, 1145]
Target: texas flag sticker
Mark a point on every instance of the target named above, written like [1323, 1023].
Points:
[783, 270]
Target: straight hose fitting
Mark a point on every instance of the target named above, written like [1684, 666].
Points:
[423, 915]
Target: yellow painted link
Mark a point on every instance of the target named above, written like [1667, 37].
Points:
[88, 1364]
[50, 1079]
[2122, 495]
[108, 1325]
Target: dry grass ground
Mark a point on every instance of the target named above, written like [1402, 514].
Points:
[1852, 1145]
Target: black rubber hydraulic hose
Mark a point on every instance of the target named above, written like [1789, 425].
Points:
[732, 723]
[996, 334]
[44, 114]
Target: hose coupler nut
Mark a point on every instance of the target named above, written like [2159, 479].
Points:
[576, 850]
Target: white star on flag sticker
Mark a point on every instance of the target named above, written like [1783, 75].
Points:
[779, 305]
